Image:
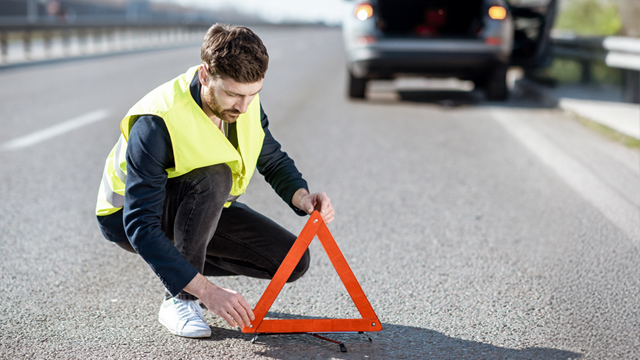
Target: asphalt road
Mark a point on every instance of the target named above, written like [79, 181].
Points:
[477, 230]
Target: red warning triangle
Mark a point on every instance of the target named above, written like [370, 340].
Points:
[369, 321]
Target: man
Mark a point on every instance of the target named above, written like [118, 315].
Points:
[187, 151]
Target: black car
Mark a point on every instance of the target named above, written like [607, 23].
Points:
[473, 40]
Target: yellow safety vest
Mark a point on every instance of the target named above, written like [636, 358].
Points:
[196, 141]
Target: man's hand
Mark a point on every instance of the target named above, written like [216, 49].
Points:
[316, 201]
[226, 303]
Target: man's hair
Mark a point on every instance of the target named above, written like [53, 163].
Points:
[236, 52]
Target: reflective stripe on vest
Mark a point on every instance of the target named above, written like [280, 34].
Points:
[111, 196]
[111, 193]
[120, 158]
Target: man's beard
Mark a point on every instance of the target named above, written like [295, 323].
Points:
[227, 115]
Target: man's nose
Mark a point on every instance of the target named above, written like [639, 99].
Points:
[243, 104]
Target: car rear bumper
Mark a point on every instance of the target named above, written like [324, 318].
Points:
[439, 59]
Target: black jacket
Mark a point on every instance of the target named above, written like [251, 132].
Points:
[149, 153]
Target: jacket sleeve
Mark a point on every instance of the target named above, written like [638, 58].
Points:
[278, 168]
[149, 153]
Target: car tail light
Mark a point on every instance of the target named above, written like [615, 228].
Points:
[364, 11]
[366, 40]
[493, 41]
[497, 13]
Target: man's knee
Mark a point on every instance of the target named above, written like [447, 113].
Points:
[212, 183]
[302, 267]
[216, 178]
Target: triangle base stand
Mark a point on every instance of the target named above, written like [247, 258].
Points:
[343, 347]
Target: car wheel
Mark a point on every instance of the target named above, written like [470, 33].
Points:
[496, 84]
[357, 87]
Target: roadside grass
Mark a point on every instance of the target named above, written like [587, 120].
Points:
[609, 133]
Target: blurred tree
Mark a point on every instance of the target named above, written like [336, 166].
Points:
[630, 15]
[591, 17]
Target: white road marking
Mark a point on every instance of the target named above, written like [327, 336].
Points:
[610, 203]
[55, 130]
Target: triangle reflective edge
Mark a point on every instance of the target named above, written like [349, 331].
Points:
[315, 227]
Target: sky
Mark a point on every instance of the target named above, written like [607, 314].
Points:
[326, 11]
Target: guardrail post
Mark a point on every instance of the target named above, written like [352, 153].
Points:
[26, 42]
[47, 37]
[631, 89]
[83, 41]
[66, 42]
[102, 40]
[79, 34]
[585, 76]
[4, 45]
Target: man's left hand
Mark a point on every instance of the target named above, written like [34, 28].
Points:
[311, 202]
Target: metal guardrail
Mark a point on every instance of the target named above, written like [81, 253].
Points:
[614, 51]
[48, 38]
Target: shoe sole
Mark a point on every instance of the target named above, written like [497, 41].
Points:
[174, 332]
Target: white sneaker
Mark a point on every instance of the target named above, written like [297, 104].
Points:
[184, 318]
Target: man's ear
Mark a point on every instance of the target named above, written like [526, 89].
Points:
[203, 75]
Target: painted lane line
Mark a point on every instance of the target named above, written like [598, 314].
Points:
[55, 130]
[621, 212]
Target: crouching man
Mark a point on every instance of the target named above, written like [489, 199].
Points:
[170, 185]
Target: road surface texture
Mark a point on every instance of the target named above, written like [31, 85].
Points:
[477, 230]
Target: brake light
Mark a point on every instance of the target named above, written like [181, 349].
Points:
[366, 40]
[364, 11]
[493, 41]
[497, 13]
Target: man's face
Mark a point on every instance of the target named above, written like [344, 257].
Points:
[226, 98]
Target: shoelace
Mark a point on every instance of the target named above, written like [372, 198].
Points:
[187, 310]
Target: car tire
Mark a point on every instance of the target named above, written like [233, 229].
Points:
[357, 87]
[495, 85]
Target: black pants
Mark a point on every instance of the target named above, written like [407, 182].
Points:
[217, 241]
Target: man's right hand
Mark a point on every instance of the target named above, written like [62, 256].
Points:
[226, 303]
